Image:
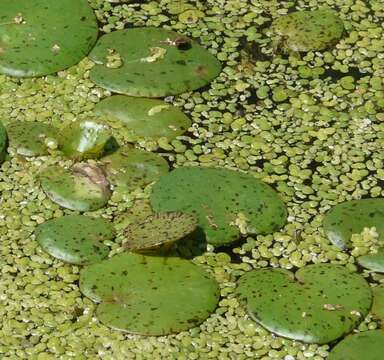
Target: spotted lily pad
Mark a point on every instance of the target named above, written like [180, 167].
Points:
[149, 295]
[41, 37]
[130, 168]
[367, 345]
[158, 230]
[31, 138]
[319, 304]
[139, 211]
[225, 202]
[84, 188]
[85, 139]
[153, 62]
[145, 118]
[377, 310]
[309, 30]
[374, 262]
[351, 217]
[3, 142]
[76, 239]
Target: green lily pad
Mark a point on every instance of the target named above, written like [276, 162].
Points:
[319, 304]
[377, 309]
[367, 345]
[144, 118]
[158, 230]
[41, 37]
[3, 142]
[85, 139]
[374, 262]
[150, 295]
[130, 168]
[225, 202]
[351, 217]
[76, 239]
[151, 62]
[309, 30]
[31, 138]
[139, 211]
[84, 188]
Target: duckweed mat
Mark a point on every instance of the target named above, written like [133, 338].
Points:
[309, 124]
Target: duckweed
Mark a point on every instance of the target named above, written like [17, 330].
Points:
[319, 147]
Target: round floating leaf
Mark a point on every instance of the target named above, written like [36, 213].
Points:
[145, 118]
[309, 30]
[41, 37]
[159, 229]
[225, 202]
[130, 168]
[85, 139]
[367, 345]
[75, 239]
[352, 217]
[323, 303]
[151, 62]
[378, 302]
[139, 211]
[3, 142]
[31, 138]
[374, 262]
[84, 188]
[150, 295]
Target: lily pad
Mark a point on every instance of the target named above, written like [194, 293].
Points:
[84, 188]
[145, 118]
[319, 304]
[225, 202]
[161, 229]
[76, 239]
[377, 310]
[130, 168]
[373, 262]
[85, 139]
[3, 142]
[351, 217]
[150, 295]
[31, 138]
[41, 37]
[367, 345]
[151, 62]
[309, 30]
[139, 211]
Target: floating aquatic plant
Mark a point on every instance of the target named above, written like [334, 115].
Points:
[158, 230]
[154, 62]
[44, 36]
[149, 295]
[129, 168]
[144, 118]
[308, 30]
[83, 188]
[31, 138]
[3, 142]
[317, 304]
[76, 239]
[85, 139]
[227, 203]
[367, 345]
